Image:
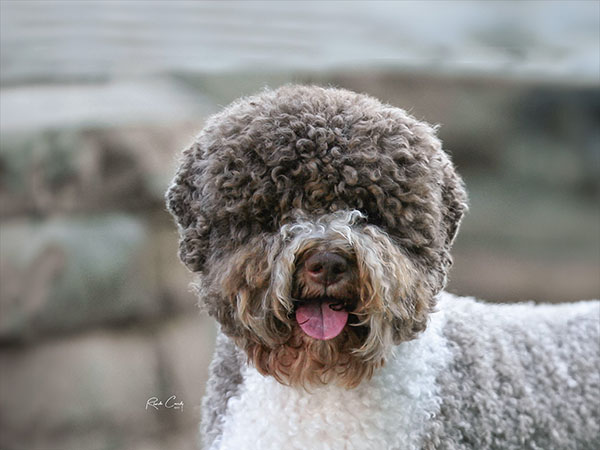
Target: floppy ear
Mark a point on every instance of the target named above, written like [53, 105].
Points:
[184, 203]
[454, 201]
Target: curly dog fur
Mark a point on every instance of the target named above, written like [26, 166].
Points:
[274, 180]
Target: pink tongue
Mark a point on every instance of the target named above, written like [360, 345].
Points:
[319, 321]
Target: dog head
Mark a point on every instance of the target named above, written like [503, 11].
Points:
[319, 222]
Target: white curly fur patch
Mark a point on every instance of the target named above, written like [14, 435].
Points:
[388, 412]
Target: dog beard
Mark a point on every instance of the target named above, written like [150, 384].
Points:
[256, 293]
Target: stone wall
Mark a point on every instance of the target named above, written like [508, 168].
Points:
[97, 316]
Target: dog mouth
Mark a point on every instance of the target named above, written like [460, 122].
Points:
[322, 318]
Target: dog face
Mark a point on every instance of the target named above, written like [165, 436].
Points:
[319, 222]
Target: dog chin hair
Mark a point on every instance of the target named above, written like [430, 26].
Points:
[257, 281]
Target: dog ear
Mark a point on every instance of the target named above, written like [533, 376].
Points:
[184, 203]
[454, 201]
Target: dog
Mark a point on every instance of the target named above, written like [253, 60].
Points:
[319, 224]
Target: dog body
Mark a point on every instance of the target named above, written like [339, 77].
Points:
[319, 224]
[530, 381]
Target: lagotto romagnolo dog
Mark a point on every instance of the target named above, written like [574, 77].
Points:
[319, 223]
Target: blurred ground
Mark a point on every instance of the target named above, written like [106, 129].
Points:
[97, 99]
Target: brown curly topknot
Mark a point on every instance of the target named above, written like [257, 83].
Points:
[309, 151]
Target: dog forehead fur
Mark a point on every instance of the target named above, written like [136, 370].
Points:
[309, 167]
[316, 150]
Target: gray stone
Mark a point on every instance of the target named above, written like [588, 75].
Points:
[90, 391]
[117, 103]
[66, 170]
[79, 393]
[497, 275]
[185, 346]
[557, 40]
[64, 274]
[47, 172]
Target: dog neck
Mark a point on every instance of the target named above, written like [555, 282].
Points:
[267, 413]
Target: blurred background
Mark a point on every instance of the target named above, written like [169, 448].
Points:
[97, 98]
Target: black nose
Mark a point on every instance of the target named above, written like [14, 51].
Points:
[326, 267]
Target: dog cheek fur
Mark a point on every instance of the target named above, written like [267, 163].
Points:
[234, 288]
[404, 293]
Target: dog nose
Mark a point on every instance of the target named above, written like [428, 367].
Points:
[326, 267]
